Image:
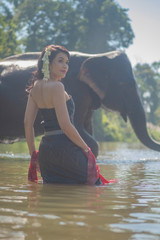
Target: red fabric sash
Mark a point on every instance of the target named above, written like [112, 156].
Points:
[32, 171]
[93, 170]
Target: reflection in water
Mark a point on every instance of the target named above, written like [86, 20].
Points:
[129, 209]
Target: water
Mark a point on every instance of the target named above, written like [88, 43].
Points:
[129, 209]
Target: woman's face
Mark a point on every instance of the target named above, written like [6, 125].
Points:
[59, 66]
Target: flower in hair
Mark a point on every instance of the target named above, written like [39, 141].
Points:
[45, 68]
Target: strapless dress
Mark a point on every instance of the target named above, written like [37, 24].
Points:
[60, 160]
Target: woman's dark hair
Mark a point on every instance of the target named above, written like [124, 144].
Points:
[38, 75]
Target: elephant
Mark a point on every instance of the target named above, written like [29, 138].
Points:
[94, 80]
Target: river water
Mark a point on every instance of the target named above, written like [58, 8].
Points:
[128, 209]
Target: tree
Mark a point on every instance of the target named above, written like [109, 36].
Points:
[148, 79]
[8, 38]
[91, 26]
[107, 26]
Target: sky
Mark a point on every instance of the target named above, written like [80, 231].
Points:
[145, 22]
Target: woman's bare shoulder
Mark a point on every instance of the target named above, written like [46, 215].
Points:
[49, 85]
[57, 92]
[57, 86]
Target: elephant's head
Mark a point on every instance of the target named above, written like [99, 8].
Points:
[110, 76]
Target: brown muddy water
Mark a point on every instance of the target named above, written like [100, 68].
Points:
[129, 209]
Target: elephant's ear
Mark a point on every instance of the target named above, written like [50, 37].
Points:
[88, 77]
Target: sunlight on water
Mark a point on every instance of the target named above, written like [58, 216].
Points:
[129, 209]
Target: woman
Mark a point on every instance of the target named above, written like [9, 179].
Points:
[62, 157]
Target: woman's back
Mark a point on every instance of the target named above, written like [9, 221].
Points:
[43, 93]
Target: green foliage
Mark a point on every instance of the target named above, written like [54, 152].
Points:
[154, 131]
[92, 26]
[8, 38]
[111, 127]
[111, 132]
[108, 26]
[98, 128]
[148, 79]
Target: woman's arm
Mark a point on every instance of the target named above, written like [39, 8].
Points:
[63, 117]
[29, 118]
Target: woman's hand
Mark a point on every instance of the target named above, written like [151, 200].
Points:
[86, 149]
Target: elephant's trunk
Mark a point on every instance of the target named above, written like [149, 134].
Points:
[138, 122]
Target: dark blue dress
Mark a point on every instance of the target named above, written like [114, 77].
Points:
[60, 160]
